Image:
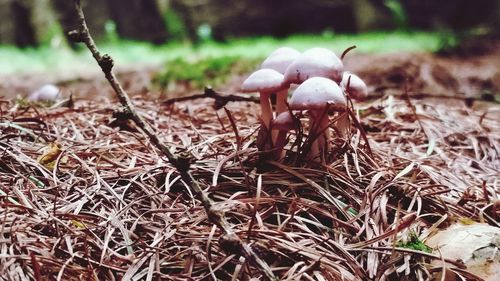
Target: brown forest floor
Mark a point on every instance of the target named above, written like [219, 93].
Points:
[113, 208]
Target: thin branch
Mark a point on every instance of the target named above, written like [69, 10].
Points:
[229, 242]
[347, 51]
[220, 100]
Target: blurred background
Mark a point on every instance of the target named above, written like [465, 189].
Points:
[152, 32]
[31, 23]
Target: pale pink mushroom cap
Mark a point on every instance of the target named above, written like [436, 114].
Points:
[357, 87]
[315, 62]
[264, 81]
[47, 92]
[284, 121]
[315, 93]
[280, 59]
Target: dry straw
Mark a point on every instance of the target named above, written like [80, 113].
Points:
[114, 208]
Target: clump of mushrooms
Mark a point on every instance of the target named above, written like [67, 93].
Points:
[323, 89]
[315, 62]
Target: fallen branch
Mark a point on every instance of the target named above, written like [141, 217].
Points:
[219, 100]
[229, 242]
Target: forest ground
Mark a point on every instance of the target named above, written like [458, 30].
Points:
[113, 208]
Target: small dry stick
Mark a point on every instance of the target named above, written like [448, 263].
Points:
[229, 242]
[347, 51]
[220, 100]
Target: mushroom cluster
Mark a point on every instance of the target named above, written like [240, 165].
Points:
[323, 89]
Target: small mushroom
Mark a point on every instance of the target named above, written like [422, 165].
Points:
[315, 62]
[317, 95]
[357, 87]
[265, 81]
[47, 92]
[284, 122]
[279, 60]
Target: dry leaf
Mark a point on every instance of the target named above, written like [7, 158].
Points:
[49, 156]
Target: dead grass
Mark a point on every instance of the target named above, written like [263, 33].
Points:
[112, 208]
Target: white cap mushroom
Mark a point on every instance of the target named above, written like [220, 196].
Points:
[264, 81]
[357, 87]
[316, 95]
[315, 62]
[279, 60]
[47, 92]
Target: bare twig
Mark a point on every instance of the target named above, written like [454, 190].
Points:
[347, 51]
[230, 242]
[219, 100]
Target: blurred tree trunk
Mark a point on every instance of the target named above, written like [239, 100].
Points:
[187, 19]
[229, 18]
[138, 20]
[96, 14]
[372, 15]
[6, 24]
[16, 26]
[456, 14]
[23, 27]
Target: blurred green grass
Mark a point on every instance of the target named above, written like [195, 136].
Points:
[207, 71]
[128, 53]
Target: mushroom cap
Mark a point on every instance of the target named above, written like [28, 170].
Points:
[319, 62]
[264, 81]
[47, 92]
[284, 121]
[357, 87]
[280, 59]
[315, 93]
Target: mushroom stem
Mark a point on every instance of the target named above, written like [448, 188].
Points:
[322, 133]
[267, 109]
[280, 144]
[281, 99]
[324, 138]
[313, 133]
[343, 124]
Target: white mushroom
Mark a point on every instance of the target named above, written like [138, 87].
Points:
[266, 82]
[357, 87]
[47, 92]
[279, 60]
[315, 62]
[316, 95]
